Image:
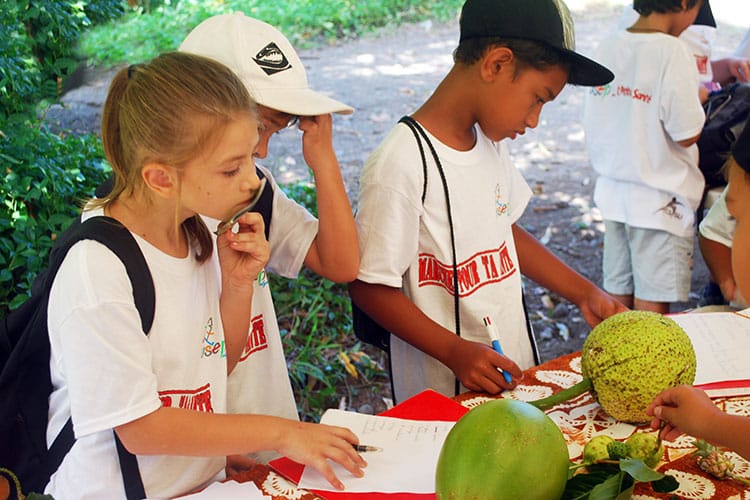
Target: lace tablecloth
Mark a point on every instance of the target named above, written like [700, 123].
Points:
[579, 419]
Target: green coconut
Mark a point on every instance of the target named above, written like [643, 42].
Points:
[627, 360]
[503, 449]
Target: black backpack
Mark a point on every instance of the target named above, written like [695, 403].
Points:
[727, 112]
[25, 383]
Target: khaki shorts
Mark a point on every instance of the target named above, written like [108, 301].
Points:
[649, 264]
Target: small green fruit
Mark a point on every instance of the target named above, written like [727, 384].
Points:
[503, 449]
[646, 446]
[596, 449]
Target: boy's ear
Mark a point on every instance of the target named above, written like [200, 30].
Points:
[160, 178]
[495, 61]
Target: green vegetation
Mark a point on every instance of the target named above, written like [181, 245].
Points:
[140, 35]
[326, 363]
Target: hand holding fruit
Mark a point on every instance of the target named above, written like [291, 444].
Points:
[683, 410]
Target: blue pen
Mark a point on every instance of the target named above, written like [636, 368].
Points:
[496, 343]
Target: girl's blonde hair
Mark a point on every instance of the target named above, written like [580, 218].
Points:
[168, 111]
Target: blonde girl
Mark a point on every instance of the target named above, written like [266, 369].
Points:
[180, 133]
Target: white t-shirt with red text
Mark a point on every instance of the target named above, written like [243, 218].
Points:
[406, 244]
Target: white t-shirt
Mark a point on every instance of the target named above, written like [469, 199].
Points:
[698, 39]
[107, 372]
[406, 244]
[633, 126]
[718, 225]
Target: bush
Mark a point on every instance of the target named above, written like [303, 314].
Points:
[45, 180]
[37, 46]
[324, 359]
[140, 36]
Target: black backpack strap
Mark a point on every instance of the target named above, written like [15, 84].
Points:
[417, 130]
[264, 204]
[118, 239]
[409, 122]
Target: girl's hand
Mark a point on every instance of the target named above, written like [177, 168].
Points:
[315, 444]
[244, 254]
[478, 367]
[317, 141]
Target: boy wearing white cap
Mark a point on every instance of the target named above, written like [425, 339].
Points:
[272, 71]
[513, 57]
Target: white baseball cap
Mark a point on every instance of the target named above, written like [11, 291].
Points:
[265, 62]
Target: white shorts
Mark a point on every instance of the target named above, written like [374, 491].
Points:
[650, 264]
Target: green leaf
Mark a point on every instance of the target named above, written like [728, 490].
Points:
[639, 471]
[609, 489]
[665, 485]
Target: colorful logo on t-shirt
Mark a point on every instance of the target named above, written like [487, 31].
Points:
[484, 268]
[256, 339]
[600, 90]
[198, 399]
[211, 345]
[501, 207]
[262, 278]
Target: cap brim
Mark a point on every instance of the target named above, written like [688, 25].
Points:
[299, 102]
[584, 71]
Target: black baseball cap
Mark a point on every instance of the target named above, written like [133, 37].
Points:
[741, 150]
[546, 21]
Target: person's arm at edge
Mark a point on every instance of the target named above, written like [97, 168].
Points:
[688, 410]
[334, 253]
[730, 69]
[541, 265]
[718, 258]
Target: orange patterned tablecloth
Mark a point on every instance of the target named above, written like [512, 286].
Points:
[579, 419]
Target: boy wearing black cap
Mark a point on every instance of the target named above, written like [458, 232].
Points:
[513, 57]
[641, 131]
[686, 409]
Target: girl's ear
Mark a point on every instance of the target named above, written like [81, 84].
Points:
[497, 60]
[160, 179]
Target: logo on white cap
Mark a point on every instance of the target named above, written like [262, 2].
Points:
[271, 60]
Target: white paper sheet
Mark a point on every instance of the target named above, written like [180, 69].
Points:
[229, 490]
[722, 346]
[406, 464]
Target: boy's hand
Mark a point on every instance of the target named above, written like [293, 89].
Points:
[683, 410]
[478, 367]
[598, 305]
[315, 444]
[244, 254]
[317, 141]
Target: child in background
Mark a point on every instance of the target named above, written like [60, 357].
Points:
[180, 133]
[685, 409]
[641, 131]
[715, 242]
[513, 57]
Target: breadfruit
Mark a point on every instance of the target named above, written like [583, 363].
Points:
[627, 360]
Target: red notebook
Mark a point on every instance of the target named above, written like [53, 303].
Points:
[427, 405]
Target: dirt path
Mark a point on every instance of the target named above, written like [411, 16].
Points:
[388, 75]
